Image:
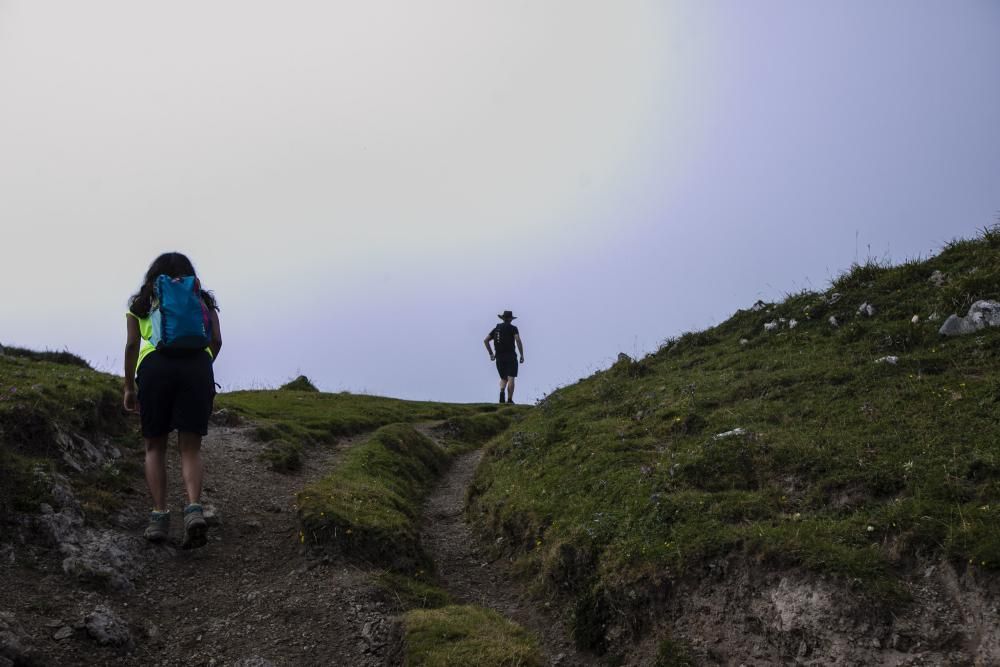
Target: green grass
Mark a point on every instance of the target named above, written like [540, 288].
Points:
[847, 467]
[45, 396]
[369, 506]
[301, 383]
[413, 592]
[310, 417]
[283, 456]
[458, 636]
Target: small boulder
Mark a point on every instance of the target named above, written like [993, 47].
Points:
[833, 322]
[107, 628]
[14, 647]
[759, 306]
[915, 319]
[937, 279]
[729, 434]
[866, 309]
[793, 323]
[225, 417]
[892, 360]
[744, 341]
[771, 326]
[981, 314]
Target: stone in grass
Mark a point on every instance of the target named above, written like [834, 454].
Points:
[107, 628]
[833, 322]
[937, 279]
[981, 314]
[866, 309]
[729, 434]
[891, 359]
[771, 326]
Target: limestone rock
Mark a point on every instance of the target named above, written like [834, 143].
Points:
[981, 314]
[937, 279]
[253, 661]
[891, 360]
[107, 628]
[866, 309]
[225, 417]
[14, 647]
[106, 557]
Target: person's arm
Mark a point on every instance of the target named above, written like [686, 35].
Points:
[520, 346]
[132, 343]
[486, 342]
[216, 343]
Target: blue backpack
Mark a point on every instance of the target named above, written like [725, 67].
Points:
[179, 317]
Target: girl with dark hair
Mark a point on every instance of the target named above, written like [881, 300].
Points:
[171, 390]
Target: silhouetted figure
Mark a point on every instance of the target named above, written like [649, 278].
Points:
[504, 336]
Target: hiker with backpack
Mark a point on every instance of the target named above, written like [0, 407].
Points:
[173, 338]
[504, 336]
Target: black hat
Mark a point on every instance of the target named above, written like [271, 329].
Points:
[507, 315]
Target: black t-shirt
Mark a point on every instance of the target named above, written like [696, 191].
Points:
[503, 337]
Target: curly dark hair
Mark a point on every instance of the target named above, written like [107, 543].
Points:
[173, 264]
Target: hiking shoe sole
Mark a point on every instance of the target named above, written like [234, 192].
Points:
[195, 529]
[158, 529]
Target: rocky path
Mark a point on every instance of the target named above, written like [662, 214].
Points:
[249, 598]
[471, 578]
[251, 595]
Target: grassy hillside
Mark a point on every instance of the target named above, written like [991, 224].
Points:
[46, 397]
[790, 444]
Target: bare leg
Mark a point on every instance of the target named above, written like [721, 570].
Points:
[156, 471]
[510, 389]
[191, 465]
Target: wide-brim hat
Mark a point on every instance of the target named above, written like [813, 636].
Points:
[507, 315]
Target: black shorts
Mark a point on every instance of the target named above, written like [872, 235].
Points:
[507, 365]
[176, 392]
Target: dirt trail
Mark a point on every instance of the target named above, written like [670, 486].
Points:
[251, 597]
[251, 593]
[470, 578]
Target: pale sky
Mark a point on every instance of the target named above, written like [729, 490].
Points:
[366, 185]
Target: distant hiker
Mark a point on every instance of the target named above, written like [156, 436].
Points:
[173, 339]
[504, 336]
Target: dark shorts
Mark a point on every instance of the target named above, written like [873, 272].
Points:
[507, 364]
[175, 393]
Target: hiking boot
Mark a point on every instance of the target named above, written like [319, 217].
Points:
[158, 527]
[502, 399]
[195, 527]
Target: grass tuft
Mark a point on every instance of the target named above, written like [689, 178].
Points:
[369, 506]
[458, 636]
[301, 383]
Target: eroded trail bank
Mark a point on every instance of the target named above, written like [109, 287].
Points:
[468, 575]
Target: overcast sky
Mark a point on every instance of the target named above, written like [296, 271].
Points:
[365, 185]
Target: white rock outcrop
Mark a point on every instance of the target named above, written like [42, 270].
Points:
[981, 314]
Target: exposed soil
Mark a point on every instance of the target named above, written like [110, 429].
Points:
[249, 597]
[470, 576]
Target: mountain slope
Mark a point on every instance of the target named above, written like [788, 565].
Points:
[834, 438]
